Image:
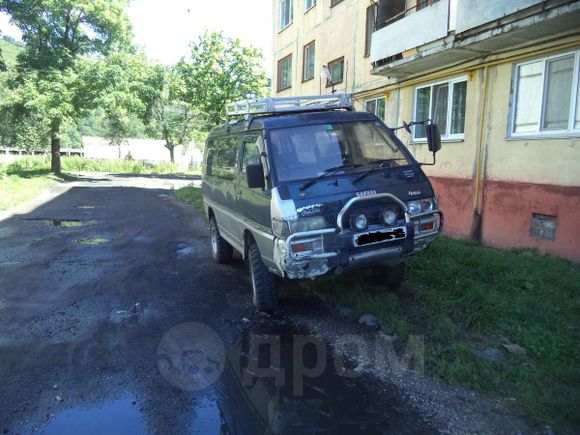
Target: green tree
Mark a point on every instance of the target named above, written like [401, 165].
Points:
[57, 35]
[171, 114]
[220, 70]
[128, 86]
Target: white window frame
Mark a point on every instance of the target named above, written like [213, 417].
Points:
[376, 99]
[306, 7]
[539, 133]
[305, 61]
[445, 135]
[290, 18]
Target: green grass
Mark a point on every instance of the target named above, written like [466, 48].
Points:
[9, 51]
[191, 195]
[83, 164]
[16, 189]
[24, 179]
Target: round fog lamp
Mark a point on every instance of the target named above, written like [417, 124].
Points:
[388, 217]
[359, 221]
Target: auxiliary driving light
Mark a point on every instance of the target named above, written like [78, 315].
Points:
[358, 221]
[388, 217]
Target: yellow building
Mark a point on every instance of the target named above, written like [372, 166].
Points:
[500, 78]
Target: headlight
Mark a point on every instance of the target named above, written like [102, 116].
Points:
[307, 224]
[358, 221]
[388, 217]
[280, 228]
[421, 206]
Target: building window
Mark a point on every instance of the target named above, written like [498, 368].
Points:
[309, 4]
[390, 11]
[376, 106]
[336, 68]
[308, 62]
[333, 3]
[444, 103]
[286, 13]
[370, 27]
[547, 96]
[285, 73]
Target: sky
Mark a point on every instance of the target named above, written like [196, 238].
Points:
[165, 28]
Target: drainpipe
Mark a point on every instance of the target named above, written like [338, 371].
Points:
[475, 232]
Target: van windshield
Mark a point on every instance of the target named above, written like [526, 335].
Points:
[301, 153]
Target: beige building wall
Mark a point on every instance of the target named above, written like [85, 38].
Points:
[332, 30]
[519, 177]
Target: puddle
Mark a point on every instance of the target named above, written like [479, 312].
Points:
[207, 418]
[142, 239]
[65, 223]
[117, 417]
[5, 232]
[295, 387]
[91, 241]
[184, 250]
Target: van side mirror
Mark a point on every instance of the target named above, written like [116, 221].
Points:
[255, 176]
[433, 137]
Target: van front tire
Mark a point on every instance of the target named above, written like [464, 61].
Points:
[264, 290]
[221, 251]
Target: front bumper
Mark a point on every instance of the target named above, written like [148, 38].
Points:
[336, 251]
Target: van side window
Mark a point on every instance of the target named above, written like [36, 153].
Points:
[251, 155]
[224, 157]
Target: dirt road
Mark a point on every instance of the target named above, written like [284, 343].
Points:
[114, 319]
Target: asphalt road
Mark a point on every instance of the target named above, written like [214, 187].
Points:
[115, 319]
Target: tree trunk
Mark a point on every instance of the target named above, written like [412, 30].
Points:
[171, 149]
[55, 148]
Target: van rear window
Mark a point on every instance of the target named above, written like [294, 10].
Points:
[300, 153]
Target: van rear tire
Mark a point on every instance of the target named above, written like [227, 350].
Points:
[264, 289]
[221, 251]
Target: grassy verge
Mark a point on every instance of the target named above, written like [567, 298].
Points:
[82, 164]
[24, 179]
[191, 195]
[16, 189]
[463, 298]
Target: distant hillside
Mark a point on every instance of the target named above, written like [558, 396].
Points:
[9, 50]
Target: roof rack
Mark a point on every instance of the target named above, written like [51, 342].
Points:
[265, 106]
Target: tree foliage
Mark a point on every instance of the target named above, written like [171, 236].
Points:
[77, 62]
[220, 70]
[58, 34]
[171, 114]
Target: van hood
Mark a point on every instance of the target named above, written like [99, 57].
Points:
[331, 194]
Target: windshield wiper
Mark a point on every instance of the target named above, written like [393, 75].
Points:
[379, 165]
[327, 173]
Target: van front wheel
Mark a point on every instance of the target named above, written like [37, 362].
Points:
[264, 291]
[221, 251]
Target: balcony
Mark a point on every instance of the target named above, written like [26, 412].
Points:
[412, 30]
[450, 32]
